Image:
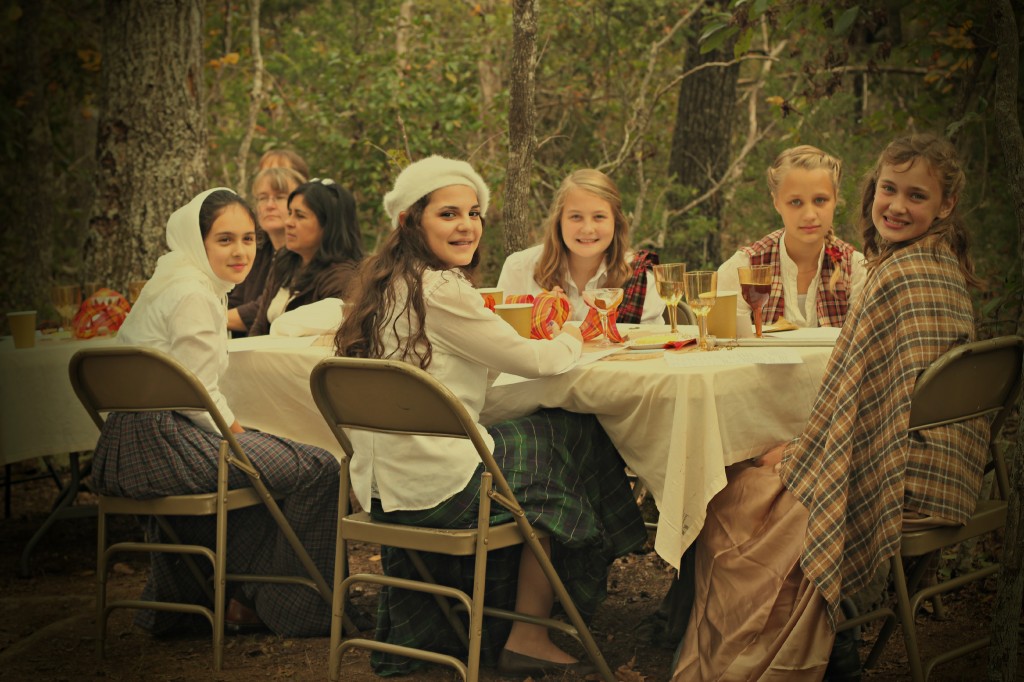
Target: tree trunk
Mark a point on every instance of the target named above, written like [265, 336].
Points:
[151, 147]
[522, 121]
[1002, 661]
[27, 250]
[701, 145]
[255, 96]
[488, 70]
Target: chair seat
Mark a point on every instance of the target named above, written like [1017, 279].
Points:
[203, 504]
[990, 515]
[453, 541]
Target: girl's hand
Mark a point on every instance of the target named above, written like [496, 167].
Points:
[773, 456]
[570, 329]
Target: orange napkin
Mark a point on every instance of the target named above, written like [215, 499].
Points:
[488, 301]
[103, 308]
[548, 307]
[591, 327]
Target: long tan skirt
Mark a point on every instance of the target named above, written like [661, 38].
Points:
[755, 616]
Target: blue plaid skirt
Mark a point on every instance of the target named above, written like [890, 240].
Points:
[149, 455]
[570, 481]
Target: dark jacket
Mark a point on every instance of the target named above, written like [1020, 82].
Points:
[245, 298]
[335, 281]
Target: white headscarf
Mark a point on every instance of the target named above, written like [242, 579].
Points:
[187, 258]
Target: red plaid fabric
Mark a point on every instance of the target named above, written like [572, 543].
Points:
[831, 305]
[634, 290]
[549, 308]
[103, 309]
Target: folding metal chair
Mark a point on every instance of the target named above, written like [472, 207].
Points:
[394, 397]
[975, 379]
[131, 379]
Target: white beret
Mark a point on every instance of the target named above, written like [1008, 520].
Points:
[422, 177]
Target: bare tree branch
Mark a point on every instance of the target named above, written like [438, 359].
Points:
[256, 96]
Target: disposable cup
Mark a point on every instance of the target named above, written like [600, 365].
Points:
[23, 328]
[517, 315]
[494, 292]
[722, 317]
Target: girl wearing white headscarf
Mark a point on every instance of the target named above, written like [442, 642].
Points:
[182, 312]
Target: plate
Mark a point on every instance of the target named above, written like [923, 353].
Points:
[654, 341]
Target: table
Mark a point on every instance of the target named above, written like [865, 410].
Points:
[40, 413]
[676, 427]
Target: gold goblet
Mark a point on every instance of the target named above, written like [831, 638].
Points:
[755, 285]
[603, 301]
[669, 278]
[701, 293]
[66, 299]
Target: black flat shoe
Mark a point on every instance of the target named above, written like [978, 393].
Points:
[844, 661]
[511, 663]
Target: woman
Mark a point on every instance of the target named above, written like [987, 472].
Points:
[586, 246]
[271, 188]
[140, 455]
[417, 305]
[789, 541]
[323, 248]
[815, 274]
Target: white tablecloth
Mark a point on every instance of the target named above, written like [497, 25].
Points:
[39, 412]
[679, 427]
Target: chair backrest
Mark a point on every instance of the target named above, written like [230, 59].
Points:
[975, 379]
[137, 379]
[390, 396]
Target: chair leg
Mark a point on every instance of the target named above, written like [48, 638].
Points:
[220, 559]
[906, 615]
[476, 616]
[101, 581]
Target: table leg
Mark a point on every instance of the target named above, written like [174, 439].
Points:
[62, 509]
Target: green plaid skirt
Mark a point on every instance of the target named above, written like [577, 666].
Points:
[570, 481]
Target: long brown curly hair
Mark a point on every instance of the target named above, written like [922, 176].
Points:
[399, 264]
[553, 264]
[942, 157]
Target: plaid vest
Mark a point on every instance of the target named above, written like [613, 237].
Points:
[634, 289]
[831, 306]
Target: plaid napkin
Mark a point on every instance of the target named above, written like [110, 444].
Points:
[488, 301]
[104, 308]
[548, 308]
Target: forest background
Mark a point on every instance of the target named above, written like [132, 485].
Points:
[683, 103]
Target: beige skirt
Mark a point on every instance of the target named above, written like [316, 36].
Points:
[755, 616]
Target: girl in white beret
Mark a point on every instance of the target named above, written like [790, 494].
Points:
[416, 304]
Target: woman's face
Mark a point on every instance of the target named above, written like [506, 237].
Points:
[271, 205]
[452, 225]
[908, 199]
[806, 202]
[303, 233]
[587, 224]
[231, 244]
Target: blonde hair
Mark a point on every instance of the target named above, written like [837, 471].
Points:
[807, 157]
[281, 179]
[553, 264]
[284, 158]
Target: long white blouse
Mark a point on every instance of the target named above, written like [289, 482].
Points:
[517, 278]
[800, 309]
[188, 322]
[468, 340]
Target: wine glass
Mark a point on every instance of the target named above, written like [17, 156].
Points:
[669, 278]
[755, 285]
[701, 292]
[603, 301]
[66, 299]
[135, 289]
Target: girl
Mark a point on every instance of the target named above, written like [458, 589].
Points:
[817, 526]
[181, 312]
[816, 275]
[417, 305]
[271, 188]
[324, 247]
[586, 245]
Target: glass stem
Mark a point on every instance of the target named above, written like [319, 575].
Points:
[757, 321]
[604, 325]
[702, 329]
[672, 312]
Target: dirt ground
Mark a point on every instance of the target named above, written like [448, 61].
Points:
[48, 628]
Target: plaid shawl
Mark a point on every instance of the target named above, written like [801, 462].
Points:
[855, 467]
[831, 305]
[634, 289]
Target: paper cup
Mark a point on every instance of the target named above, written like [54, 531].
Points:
[744, 328]
[494, 292]
[722, 318]
[23, 328]
[517, 315]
